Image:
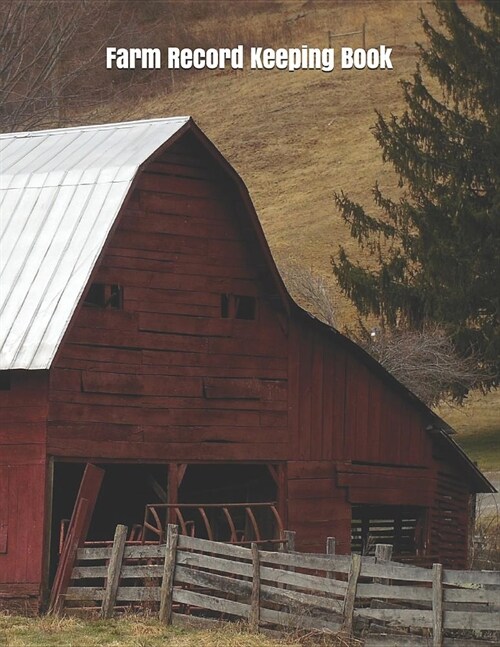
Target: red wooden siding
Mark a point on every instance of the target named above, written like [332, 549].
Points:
[168, 377]
[23, 411]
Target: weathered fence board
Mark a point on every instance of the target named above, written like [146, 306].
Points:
[290, 589]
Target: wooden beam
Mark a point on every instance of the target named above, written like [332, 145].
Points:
[167, 585]
[114, 569]
[437, 605]
[255, 597]
[350, 595]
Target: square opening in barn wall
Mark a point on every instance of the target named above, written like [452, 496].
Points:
[400, 526]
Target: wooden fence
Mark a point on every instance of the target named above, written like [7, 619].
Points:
[383, 602]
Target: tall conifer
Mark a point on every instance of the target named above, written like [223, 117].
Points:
[436, 250]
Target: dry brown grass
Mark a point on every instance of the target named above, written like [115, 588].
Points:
[142, 631]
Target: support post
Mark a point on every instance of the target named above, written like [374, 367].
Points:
[437, 605]
[290, 540]
[114, 569]
[383, 553]
[255, 599]
[350, 594]
[330, 550]
[167, 584]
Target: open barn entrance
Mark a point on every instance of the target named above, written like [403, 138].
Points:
[229, 502]
[125, 491]
[236, 503]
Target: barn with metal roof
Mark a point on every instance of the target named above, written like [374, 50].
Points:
[145, 331]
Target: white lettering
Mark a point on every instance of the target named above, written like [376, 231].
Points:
[292, 59]
[200, 59]
[125, 59]
[373, 58]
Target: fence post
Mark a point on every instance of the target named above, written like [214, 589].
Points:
[290, 540]
[437, 605]
[330, 550]
[114, 568]
[350, 594]
[167, 583]
[383, 552]
[255, 599]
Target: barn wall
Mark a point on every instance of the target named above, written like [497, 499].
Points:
[450, 512]
[168, 378]
[23, 410]
[360, 442]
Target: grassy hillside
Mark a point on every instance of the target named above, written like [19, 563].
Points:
[296, 137]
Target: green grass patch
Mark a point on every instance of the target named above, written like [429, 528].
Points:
[483, 447]
[478, 428]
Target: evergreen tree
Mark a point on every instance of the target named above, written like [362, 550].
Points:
[436, 250]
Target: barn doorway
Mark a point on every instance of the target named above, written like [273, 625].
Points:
[125, 491]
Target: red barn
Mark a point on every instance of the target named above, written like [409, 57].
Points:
[145, 328]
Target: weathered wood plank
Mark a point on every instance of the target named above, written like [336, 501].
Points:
[84, 593]
[337, 563]
[404, 617]
[350, 595]
[146, 552]
[215, 547]
[255, 597]
[295, 619]
[138, 594]
[394, 592]
[471, 577]
[211, 603]
[167, 585]
[113, 573]
[93, 553]
[396, 572]
[141, 571]
[472, 620]
[88, 572]
[437, 605]
[475, 596]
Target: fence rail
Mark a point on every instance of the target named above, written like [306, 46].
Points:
[349, 593]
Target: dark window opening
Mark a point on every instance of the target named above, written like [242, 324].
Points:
[237, 306]
[100, 295]
[5, 381]
[224, 306]
[399, 526]
[245, 307]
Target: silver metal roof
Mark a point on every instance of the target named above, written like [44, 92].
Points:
[60, 192]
